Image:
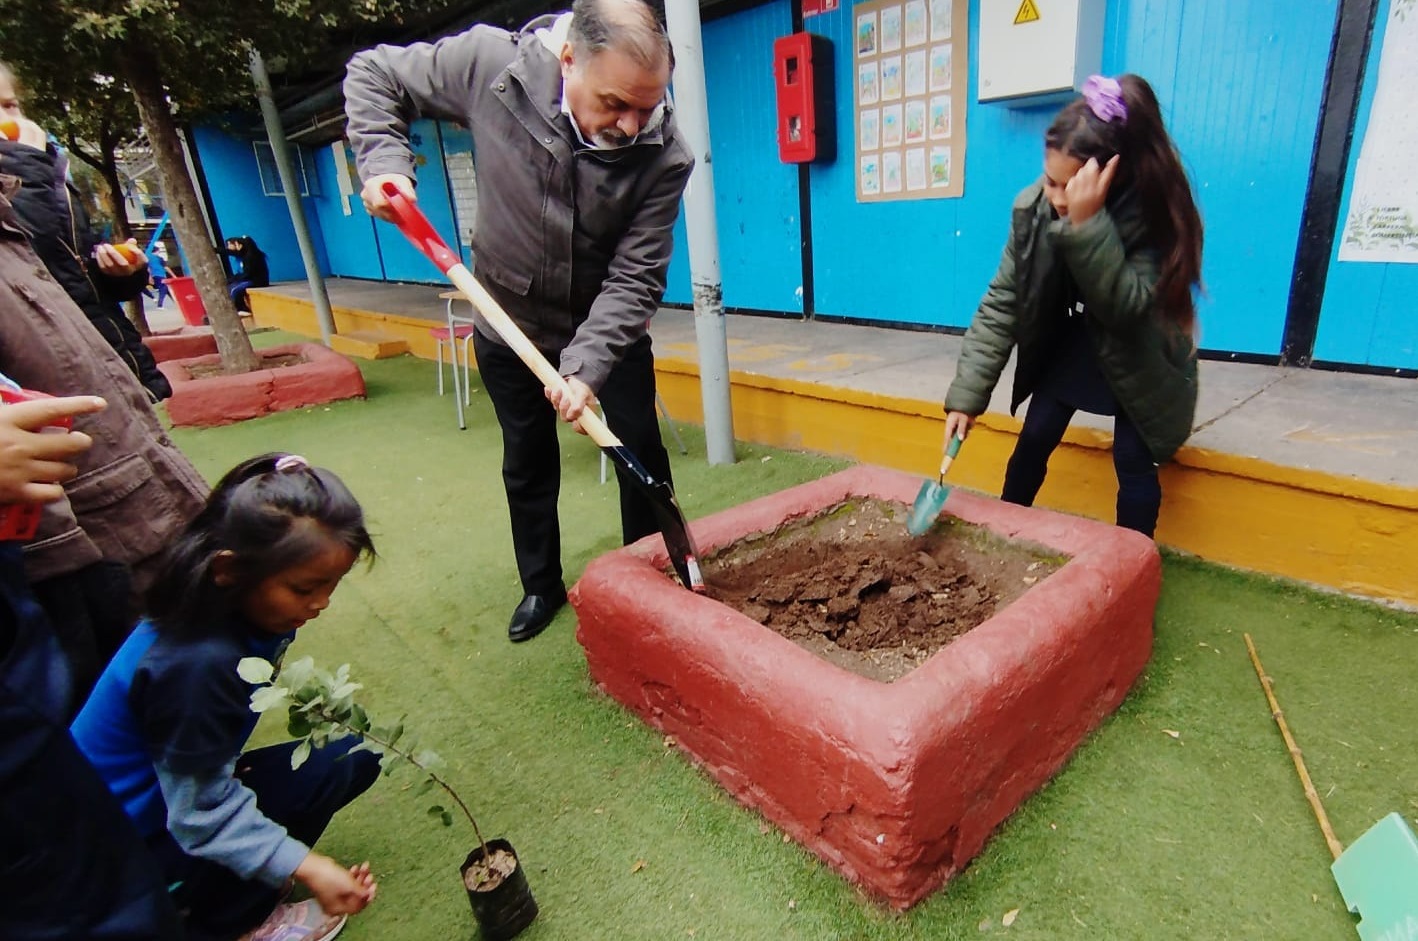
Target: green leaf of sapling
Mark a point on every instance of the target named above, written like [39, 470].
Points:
[255, 670]
[268, 697]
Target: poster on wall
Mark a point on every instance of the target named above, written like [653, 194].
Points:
[1383, 206]
[910, 78]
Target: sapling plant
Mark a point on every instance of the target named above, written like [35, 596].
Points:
[320, 708]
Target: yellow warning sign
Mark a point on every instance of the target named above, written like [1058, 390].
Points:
[1028, 13]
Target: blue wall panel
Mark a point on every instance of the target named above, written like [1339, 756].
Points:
[349, 239]
[1243, 103]
[1242, 100]
[755, 194]
[677, 286]
[234, 182]
[458, 139]
[1367, 315]
[403, 262]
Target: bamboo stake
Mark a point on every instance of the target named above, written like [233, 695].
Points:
[1311, 795]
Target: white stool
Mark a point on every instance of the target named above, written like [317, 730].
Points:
[456, 329]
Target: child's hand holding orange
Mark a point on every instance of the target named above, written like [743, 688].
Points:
[25, 132]
[120, 259]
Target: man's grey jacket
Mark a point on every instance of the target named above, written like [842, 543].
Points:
[574, 244]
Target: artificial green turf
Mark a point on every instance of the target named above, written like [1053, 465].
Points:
[1144, 834]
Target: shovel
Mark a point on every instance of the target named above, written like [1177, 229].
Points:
[932, 494]
[1378, 873]
[678, 542]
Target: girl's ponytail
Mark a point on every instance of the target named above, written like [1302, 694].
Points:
[1121, 116]
[1167, 201]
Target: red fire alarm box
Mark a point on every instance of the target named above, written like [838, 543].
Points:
[802, 77]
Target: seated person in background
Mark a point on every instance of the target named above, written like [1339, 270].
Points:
[254, 272]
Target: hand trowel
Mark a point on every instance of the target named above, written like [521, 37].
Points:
[932, 494]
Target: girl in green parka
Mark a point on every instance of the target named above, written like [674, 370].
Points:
[1096, 291]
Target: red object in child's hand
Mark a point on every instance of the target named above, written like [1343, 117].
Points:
[20, 521]
[10, 130]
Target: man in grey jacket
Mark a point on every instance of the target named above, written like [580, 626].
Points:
[580, 173]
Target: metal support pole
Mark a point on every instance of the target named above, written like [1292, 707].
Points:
[692, 114]
[280, 149]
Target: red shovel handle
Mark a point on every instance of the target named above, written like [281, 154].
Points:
[415, 225]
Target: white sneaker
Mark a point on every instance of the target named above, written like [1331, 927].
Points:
[301, 921]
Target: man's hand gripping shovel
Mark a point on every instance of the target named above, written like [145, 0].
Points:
[678, 542]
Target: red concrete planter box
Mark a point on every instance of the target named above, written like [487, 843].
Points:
[895, 785]
[187, 343]
[221, 400]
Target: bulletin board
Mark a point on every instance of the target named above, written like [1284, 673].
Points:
[910, 79]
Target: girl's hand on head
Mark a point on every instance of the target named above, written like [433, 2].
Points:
[1087, 190]
[957, 425]
[338, 890]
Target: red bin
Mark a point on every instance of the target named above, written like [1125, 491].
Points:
[188, 300]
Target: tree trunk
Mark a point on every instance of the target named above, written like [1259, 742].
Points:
[181, 199]
[139, 316]
[117, 205]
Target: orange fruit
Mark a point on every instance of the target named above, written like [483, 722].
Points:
[131, 253]
[10, 130]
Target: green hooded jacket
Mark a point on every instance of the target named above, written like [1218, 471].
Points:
[1149, 363]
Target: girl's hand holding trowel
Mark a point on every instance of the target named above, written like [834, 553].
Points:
[957, 425]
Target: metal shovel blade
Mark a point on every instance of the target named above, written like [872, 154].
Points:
[684, 556]
[929, 501]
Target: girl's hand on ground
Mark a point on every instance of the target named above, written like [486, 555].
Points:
[1087, 190]
[336, 888]
[365, 878]
[957, 425]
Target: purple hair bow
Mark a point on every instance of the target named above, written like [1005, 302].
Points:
[1105, 98]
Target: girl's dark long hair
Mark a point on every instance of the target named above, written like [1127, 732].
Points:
[1152, 168]
[269, 520]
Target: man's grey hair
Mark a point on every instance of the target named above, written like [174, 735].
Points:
[633, 27]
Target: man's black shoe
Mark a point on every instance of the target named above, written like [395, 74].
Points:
[533, 615]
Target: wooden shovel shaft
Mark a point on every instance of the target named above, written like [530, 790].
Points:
[1311, 795]
[497, 318]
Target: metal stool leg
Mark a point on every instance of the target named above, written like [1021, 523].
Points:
[679, 442]
[438, 358]
[467, 361]
[453, 354]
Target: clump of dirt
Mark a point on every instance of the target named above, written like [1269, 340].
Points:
[279, 361]
[854, 587]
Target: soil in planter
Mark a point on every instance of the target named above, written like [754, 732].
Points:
[487, 874]
[267, 362]
[854, 587]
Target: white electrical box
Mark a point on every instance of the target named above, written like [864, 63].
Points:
[1035, 50]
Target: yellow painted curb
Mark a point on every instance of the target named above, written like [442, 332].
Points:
[1354, 535]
